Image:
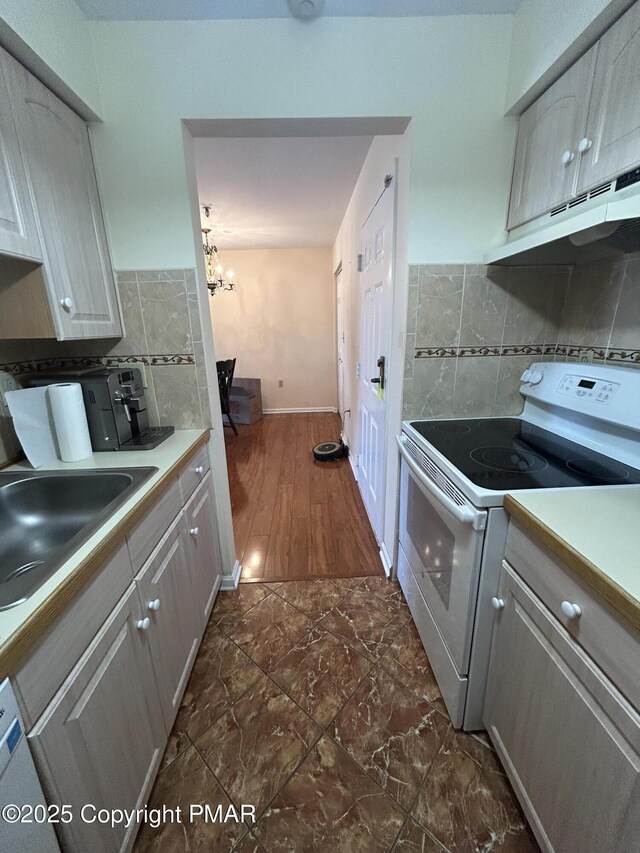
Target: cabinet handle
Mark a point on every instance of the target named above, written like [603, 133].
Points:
[154, 605]
[67, 303]
[143, 624]
[194, 531]
[584, 145]
[570, 610]
[199, 469]
[567, 157]
[497, 603]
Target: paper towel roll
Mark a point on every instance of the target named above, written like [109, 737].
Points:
[70, 421]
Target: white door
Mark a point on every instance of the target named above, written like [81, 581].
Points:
[376, 306]
[340, 341]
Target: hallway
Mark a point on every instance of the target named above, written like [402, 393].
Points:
[295, 518]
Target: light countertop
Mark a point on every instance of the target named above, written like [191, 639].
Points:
[20, 626]
[596, 532]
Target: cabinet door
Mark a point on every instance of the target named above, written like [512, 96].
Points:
[545, 167]
[205, 551]
[101, 739]
[569, 741]
[18, 230]
[613, 126]
[166, 590]
[57, 158]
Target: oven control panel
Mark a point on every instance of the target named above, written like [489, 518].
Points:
[599, 391]
[588, 388]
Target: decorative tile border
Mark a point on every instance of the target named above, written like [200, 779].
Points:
[20, 368]
[481, 351]
[566, 350]
[626, 356]
[17, 368]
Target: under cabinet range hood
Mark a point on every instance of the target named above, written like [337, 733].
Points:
[602, 223]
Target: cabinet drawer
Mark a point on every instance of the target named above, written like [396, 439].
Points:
[144, 538]
[194, 472]
[57, 652]
[600, 630]
[567, 738]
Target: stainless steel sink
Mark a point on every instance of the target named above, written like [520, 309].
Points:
[46, 515]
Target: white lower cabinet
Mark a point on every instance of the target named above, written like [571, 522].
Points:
[108, 710]
[568, 739]
[100, 741]
[203, 542]
[171, 618]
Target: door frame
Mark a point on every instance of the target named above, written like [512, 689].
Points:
[340, 326]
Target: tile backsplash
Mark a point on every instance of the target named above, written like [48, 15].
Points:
[472, 330]
[162, 332]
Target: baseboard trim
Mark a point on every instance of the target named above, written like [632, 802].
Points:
[230, 582]
[298, 411]
[387, 565]
[353, 467]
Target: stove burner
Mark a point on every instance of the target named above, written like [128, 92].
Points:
[450, 426]
[611, 473]
[506, 459]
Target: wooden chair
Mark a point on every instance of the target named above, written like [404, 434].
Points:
[225, 378]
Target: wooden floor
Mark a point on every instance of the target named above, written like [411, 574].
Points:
[295, 518]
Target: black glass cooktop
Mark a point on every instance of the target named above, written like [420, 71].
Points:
[506, 454]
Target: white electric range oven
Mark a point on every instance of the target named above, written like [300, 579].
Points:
[580, 428]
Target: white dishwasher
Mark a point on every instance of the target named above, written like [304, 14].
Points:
[20, 787]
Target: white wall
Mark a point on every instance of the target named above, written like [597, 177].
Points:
[54, 35]
[448, 73]
[279, 323]
[548, 36]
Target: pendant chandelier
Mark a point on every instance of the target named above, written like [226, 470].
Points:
[213, 267]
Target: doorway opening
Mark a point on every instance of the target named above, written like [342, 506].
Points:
[286, 201]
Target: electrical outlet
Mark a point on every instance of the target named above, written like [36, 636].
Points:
[7, 383]
[280, 383]
[586, 357]
[142, 368]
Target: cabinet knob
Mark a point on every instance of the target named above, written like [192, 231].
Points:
[497, 603]
[570, 610]
[194, 531]
[584, 145]
[567, 157]
[143, 624]
[154, 605]
[67, 303]
[199, 469]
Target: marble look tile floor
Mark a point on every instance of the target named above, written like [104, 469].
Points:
[315, 702]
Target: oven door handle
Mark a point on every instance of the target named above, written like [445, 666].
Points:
[465, 514]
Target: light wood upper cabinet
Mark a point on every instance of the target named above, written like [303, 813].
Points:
[569, 741]
[101, 739]
[613, 126]
[546, 160]
[18, 229]
[55, 148]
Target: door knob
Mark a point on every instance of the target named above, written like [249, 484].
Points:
[143, 624]
[567, 157]
[67, 303]
[570, 610]
[376, 380]
[154, 605]
[194, 531]
[584, 145]
[497, 603]
[199, 469]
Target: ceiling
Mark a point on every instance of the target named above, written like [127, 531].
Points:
[277, 193]
[185, 10]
